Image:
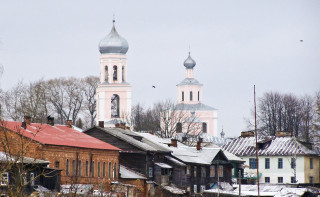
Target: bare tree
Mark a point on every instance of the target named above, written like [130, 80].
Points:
[90, 85]
[285, 112]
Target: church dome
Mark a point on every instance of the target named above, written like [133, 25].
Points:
[113, 43]
[189, 63]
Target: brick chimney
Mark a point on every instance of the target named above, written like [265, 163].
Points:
[174, 142]
[247, 133]
[283, 134]
[101, 124]
[69, 123]
[199, 144]
[50, 120]
[27, 119]
[24, 125]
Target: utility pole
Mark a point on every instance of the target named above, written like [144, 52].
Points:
[256, 135]
[239, 183]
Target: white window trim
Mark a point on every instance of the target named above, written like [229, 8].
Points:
[4, 179]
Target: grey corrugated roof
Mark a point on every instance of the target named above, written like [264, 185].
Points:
[127, 173]
[173, 160]
[182, 152]
[124, 135]
[194, 107]
[189, 81]
[245, 146]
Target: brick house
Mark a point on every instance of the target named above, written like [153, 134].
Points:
[82, 158]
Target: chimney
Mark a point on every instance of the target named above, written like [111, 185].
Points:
[24, 125]
[27, 119]
[247, 134]
[69, 123]
[101, 124]
[50, 120]
[174, 142]
[199, 144]
[283, 134]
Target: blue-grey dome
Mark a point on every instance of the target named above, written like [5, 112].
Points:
[189, 63]
[113, 43]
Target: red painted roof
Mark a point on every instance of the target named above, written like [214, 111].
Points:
[60, 135]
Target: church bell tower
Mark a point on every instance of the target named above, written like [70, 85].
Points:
[113, 92]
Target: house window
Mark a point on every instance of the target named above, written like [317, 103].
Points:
[220, 171]
[104, 170]
[311, 163]
[198, 96]
[252, 163]
[293, 179]
[109, 170]
[195, 188]
[212, 171]
[92, 169]
[150, 172]
[202, 188]
[267, 163]
[311, 179]
[115, 171]
[87, 168]
[4, 179]
[98, 169]
[67, 167]
[24, 177]
[57, 164]
[293, 163]
[188, 170]
[179, 127]
[115, 106]
[182, 96]
[195, 171]
[203, 172]
[31, 178]
[204, 127]
[280, 163]
[280, 179]
[73, 167]
[115, 73]
[79, 167]
[267, 179]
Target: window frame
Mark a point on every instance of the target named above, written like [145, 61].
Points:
[212, 171]
[252, 163]
[220, 170]
[267, 163]
[280, 163]
[267, 179]
[4, 179]
[311, 163]
[280, 179]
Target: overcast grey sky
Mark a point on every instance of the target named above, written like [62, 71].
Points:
[236, 44]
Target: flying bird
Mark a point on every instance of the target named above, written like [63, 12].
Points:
[301, 40]
[154, 86]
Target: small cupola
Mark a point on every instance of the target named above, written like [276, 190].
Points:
[189, 63]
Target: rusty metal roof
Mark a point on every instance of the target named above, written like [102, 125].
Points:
[60, 135]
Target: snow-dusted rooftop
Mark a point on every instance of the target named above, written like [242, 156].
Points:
[126, 173]
[268, 146]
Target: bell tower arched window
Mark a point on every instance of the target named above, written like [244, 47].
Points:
[123, 74]
[182, 96]
[198, 95]
[115, 106]
[179, 127]
[115, 73]
[191, 95]
[106, 73]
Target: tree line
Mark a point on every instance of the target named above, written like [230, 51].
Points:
[63, 98]
[289, 113]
